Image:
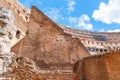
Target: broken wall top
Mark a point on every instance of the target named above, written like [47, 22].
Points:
[48, 45]
[19, 12]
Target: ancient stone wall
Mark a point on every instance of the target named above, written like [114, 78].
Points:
[55, 76]
[95, 68]
[55, 49]
[99, 36]
[20, 18]
[113, 65]
[19, 12]
[102, 67]
[48, 45]
[96, 42]
[78, 69]
[100, 46]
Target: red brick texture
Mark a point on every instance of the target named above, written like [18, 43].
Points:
[95, 68]
[102, 67]
[48, 45]
[51, 48]
[55, 76]
[113, 65]
[78, 69]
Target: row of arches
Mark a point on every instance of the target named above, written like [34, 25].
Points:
[91, 49]
[100, 43]
[102, 50]
[101, 46]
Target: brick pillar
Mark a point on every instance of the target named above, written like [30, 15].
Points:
[78, 69]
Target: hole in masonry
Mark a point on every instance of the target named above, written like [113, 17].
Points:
[18, 34]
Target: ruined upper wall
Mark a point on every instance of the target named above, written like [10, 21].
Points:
[20, 12]
[99, 40]
[48, 45]
[97, 36]
[21, 17]
[96, 42]
[102, 67]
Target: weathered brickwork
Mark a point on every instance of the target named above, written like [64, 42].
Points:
[55, 76]
[98, 67]
[78, 69]
[19, 21]
[18, 13]
[95, 68]
[96, 42]
[61, 53]
[48, 45]
[102, 67]
[113, 65]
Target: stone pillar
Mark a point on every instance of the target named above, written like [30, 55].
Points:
[7, 32]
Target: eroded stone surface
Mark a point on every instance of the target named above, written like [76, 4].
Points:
[51, 48]
[102, 67]
[21, 69]
[48, 45]
[7, 32]
[11, 66]
[96, 42]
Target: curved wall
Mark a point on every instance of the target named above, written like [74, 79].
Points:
[96, 42]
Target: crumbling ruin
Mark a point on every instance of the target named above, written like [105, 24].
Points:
[45, 50]
[96, 42]
[11, 66]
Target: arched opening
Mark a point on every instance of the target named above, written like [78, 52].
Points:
[101, 50]
[26, 18]
[88, 48]
[18, 11]
[18, 34]
[93, 49]
[96, 50]
[105, 50]
[23, 10]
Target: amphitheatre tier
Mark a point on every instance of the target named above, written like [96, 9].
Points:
[45, 50]
[96, 42]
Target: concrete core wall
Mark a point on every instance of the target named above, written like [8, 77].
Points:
[113, 65]
[102, 67]
[95, 68]
[48, 45]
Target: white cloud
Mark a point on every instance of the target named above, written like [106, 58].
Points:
[54, 14]
[39, 2]
[108, 13]
[71, 4]
[116, 30]
[83, 22]
[102, 30]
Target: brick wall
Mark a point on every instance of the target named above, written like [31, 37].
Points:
[95, 68]
[55, 76]
[78, 69]
[102, 67]
[113, 65]
[46, 42]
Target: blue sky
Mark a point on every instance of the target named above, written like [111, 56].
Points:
[94, 15]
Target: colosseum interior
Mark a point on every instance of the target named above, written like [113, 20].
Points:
[45, 50]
